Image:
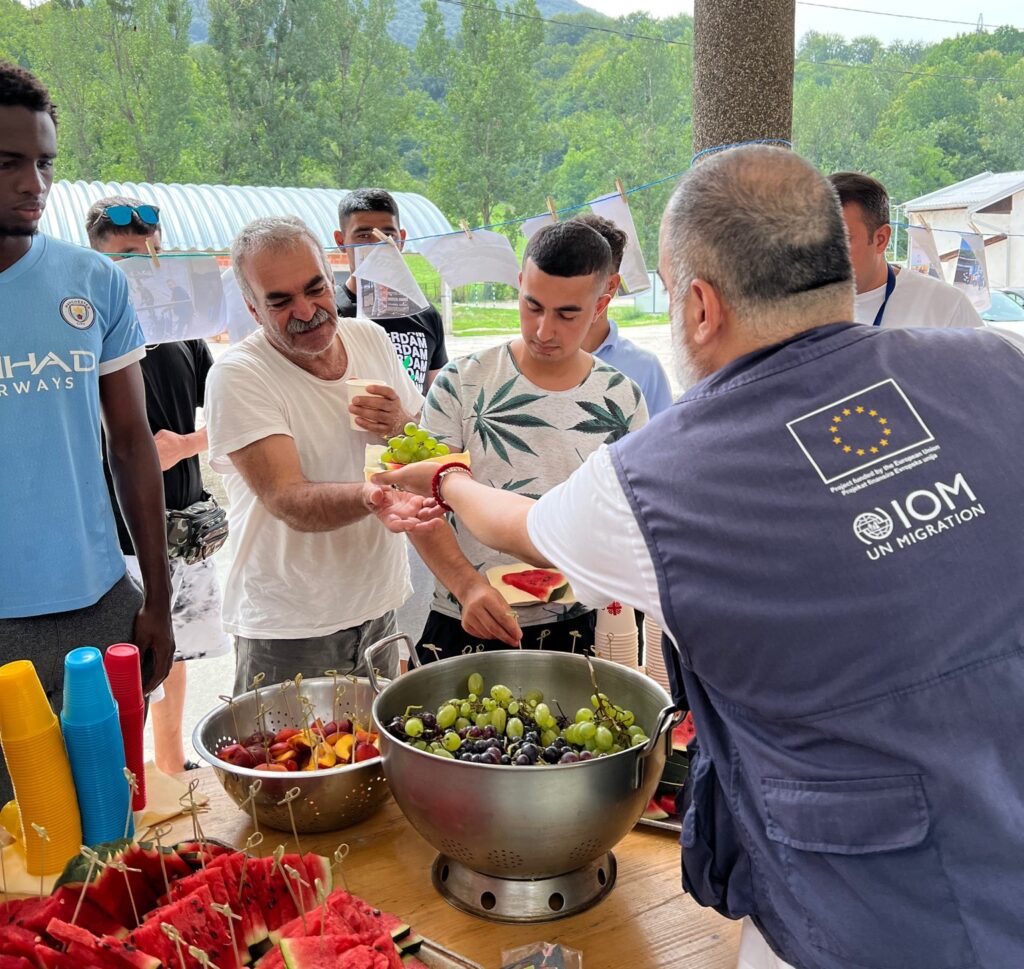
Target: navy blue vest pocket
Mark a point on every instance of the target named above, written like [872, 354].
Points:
[716, 867]
[860, 858]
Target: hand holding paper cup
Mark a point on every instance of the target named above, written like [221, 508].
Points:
[359, 387]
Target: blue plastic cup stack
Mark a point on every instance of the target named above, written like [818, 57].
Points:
[92, 735]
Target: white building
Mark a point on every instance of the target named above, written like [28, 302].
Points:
[992, 204]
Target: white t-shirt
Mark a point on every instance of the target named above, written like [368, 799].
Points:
[917, 300]
[286, 584]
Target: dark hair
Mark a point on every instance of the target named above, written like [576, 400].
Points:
[98, 225]
[20, 89]
[366, 200]
[569, 249]
[610, 232]
[869, 193]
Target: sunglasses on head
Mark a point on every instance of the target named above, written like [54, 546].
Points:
[122, 214]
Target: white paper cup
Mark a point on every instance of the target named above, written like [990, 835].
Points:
[356, 387]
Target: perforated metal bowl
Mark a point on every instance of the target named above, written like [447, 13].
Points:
[524, 822]
[329, 799]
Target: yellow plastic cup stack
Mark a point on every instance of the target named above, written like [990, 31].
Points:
[37, 761]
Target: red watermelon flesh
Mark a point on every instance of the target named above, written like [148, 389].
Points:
[539, 583]
[199, 926]
[16, 941]
[216, 881]
[339, 952]
[16, 962]
[110, 891]
[90, 915]
[52, 959]
[266, 884]
[113, 953]
[253, 927]
[148, 857]
[272, 960]
[18, 909]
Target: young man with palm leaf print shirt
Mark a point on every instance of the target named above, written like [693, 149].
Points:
[530, 412]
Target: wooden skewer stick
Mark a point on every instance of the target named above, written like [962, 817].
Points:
[133, 789]
[340, 854]
[278, 855]
[44, 838]
[333, 674]
[93, 860]
[160, 832]
[287, 701]
[256, 681]
[124, 869]
[6, 840]
[203, 957]
[254, 789]
[253, 841]
[231, 917]
[294, 793]
[544, 633]
[575, 634]
[230, 701]
[300, 883]
[175, 936]
[321, 897]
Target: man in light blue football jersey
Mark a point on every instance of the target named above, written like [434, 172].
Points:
[69, 350]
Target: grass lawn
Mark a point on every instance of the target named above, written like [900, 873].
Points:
[472, 320]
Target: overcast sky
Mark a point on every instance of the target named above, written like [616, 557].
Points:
[852, 24]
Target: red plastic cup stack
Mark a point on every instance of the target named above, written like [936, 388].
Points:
[125, 674]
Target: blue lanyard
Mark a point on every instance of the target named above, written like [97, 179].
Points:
[890, 285]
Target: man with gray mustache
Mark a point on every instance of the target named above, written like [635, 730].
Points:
[314, 577]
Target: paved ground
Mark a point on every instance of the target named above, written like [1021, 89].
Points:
[212, 677]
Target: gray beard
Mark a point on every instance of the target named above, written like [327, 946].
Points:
[686, 370]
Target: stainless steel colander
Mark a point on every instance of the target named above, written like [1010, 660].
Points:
[329, 799]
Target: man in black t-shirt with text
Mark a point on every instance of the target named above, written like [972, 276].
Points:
[418, 339]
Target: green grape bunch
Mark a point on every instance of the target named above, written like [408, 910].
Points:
[413, 445]
[498, 728]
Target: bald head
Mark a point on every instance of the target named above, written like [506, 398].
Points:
[765, 229]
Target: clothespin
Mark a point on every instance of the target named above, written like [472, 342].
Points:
[381, 237]
[152, 254]
[621, 190]
[464, 226]
[552, 209]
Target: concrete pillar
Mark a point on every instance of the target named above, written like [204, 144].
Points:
[742, 71]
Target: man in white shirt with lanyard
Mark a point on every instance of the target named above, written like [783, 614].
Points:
[888, 295]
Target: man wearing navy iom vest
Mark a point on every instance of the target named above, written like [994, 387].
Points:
[890, 295]
[828, 525]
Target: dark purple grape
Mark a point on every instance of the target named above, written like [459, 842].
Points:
[489, 732]
[493, 755]
[505, 759]
[530, 750]
[569, 757]
[586, 755]
[474, 732]
[551, 754]
[463, 733]
[523, 761]
[559, 742]
[429, 721]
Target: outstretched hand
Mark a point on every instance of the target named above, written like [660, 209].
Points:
[400, 511]
[416, 478]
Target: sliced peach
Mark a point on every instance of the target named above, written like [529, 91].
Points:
[343, 748]
[326, 756]
[366, 736]
[271, 767]
[285, 733]
[281, 748]
[333, 738]
[302, 740]
[288, 755]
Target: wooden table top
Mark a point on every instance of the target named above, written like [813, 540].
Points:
[646, 922]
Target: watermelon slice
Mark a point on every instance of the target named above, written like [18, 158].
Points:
[542, 584]
[148, 857]
[199, 926]
[654, 811]
[52, 959]
[16, 941]
[105, 953]
[339, 952]
[16, 962]
[215, 880]
[684, 732]
[253, 927]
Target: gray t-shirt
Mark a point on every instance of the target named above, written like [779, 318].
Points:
[524, 439]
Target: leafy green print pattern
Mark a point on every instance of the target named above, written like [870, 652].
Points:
[516, 486]
[442, 383]
[493, 420]
[610, 420]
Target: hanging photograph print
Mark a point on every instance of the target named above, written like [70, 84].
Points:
[178, 300]
[922, 254]
[971, 273]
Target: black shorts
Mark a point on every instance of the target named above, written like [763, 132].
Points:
[451, 639]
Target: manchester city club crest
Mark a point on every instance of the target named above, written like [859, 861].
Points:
[77, 312]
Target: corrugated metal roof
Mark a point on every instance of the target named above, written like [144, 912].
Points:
[205, 218]
[972, 193]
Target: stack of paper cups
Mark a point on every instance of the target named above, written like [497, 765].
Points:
[654, 659]
[356, 387]
[92, 733]
[615, 635]
[125, 675]
[38, 764]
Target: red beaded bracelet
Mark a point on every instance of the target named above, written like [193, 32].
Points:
[439, 476]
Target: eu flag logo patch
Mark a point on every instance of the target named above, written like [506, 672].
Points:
[858, 431]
